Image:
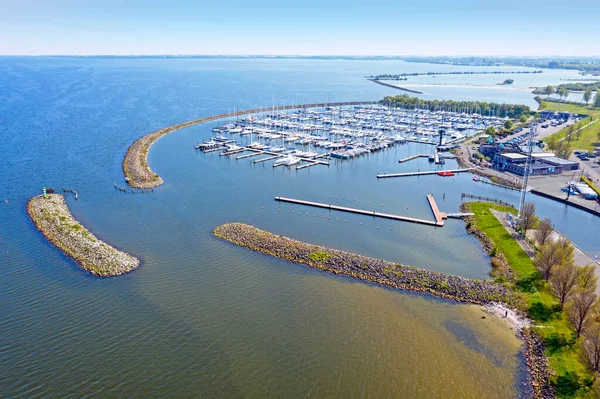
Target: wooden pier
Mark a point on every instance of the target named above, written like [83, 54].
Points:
[308, 165]
[412, 157]
[232, 152]
[439, 216]
[267, 159]
[249, 155]
[421, 142]
[362, 212]
[432, 172]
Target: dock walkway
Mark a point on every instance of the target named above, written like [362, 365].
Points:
[431, 172]
[362, 212]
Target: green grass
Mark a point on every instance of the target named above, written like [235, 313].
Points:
[564, 359]
[576, 109]
[489, 224]
[588, 137]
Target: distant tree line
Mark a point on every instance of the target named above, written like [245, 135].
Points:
[405, 101]
[387, 76]
[584, 64]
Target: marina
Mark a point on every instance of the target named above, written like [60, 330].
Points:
[279, 336]
[299, 137]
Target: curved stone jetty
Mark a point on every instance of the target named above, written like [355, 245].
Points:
[53, 218]
[366, 268]
[135, 165]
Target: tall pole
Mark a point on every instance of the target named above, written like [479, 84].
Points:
[526, 172]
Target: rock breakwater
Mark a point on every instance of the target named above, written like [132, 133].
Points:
[366, 268]
[53, 218]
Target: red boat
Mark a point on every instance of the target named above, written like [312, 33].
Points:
[445, 173]
[475, 178]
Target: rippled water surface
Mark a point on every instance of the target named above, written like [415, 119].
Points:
[202, 317]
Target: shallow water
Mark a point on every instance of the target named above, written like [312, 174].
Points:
[202, 317]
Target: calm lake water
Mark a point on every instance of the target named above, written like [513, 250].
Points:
[204, 318]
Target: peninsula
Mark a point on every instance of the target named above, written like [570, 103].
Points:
[53, 218]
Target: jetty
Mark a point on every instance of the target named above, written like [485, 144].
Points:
[365, 268]
[436, 223]
[53, 219]
[432, 172]
[439, 216]
[379, 82]
[410, 158]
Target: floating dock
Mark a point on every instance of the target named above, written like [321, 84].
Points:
[439, 216]
[431, 172]
[412, 157]
[435, 223]
[249, 155]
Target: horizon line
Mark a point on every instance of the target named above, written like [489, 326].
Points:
[307, 55]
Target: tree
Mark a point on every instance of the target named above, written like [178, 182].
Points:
[587, 278]
[570, 131]
[523, 118]
[580, 309]
[548, 258]
[564, 281]
[587, 96]
[491, 130]
[549, 90]
[591, 346]
[544, 231]
[527, 217]
[561, 148]
[508, 124]
[562, 92]
[597, 100]
[566, 251]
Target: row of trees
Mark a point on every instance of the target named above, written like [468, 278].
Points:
[514, 111]
[574, 287]
[562, 91]
[389, 76]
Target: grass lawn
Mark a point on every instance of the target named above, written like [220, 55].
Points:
[576, 109]
[563, 359]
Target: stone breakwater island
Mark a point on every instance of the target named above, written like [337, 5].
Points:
[54, 220]
[367, 268]
[135, 164]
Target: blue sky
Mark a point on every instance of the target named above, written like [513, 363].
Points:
[300, 27]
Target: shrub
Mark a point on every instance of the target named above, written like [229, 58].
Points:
[540, 312]
[568, 384]
[320, 256]
[555, 342]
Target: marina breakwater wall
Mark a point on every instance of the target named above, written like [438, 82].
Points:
[366, 268]
[566, 202]
[53, 219]
[135, 164]
[379, 82]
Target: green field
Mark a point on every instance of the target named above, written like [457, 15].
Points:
[563, 359]
[588, 137]
[576, 109]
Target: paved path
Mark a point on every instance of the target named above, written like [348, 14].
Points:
[581, 258]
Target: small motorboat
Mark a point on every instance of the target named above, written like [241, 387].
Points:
[445, 173]
[475, 178]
